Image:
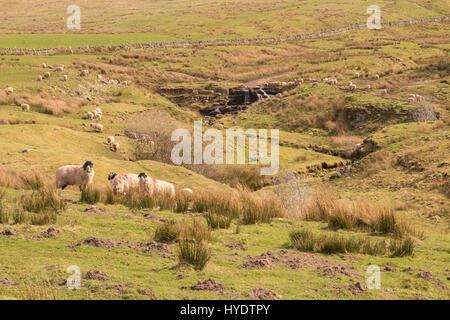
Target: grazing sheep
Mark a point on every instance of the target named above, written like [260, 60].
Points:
[110, 139]
[418, 98]
[65, 77]
[99, 76]
[411, 100]
[58, 69]
[25, 107]
[44, 65]
[39, 78]
[99, 111]
[124, 83]
[152, 185]
[123, 182]
[186, 192]
[357, 75]
[84, 73]
[97, 127]
[9, 90]
[377, 76]
[47, 75]
[90, 115]
[315, 83]
[74, 175]
[284, 83]
[60, 65]
[115, 146]
[352, 86]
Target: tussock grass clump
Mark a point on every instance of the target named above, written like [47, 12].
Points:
[216, 203]
[194, 253]
[257, 209]
[402, 247]
[173, 230]
[217, 221]
[305, 240]
[167, 232]
[33, 180]
[43, 200]
[4, 214]
[90, 195]
[324, 205]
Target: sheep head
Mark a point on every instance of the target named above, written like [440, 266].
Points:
[111, 175]
[88, 166]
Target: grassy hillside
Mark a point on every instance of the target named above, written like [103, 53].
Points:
[363, 173]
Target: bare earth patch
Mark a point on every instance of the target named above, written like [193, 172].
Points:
[8, 232]
[302, 260]
[7, 282]
[95, 210]
[264, 294]
[354, 288]
[96, 275]
[48, 234]
[212, 285]
[236, 246]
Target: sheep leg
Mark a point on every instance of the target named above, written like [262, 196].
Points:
[63, 186]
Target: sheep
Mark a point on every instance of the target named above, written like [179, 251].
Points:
[418, 98]
[99, 76]
[124, 83]
[90, 115]
[152, 185]
[115, 146]
[84, 73]
[9, 90]
[357, 75]
[123, 182]
[65, 77]
[25, 107]
[377, 76]
[411, 100]
[97, 127]
[384, 91]
[110, 139]
[47, 75]
[75, 175]
[99, 111]
[186, 192]
[39, 78]
[283, 83]
[60, 65]
[369, 87]
[44, 65]
[352, 86]
[58, 69]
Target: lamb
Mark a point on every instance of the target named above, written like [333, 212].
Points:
[97, 127]
[84, 73]
[47, 75]
[152, 185]
[123, 182]
[115, 146]
[186, 192]
[75, 175]
[9, 90]
[25, 107]
[39, 78]
[110, 139]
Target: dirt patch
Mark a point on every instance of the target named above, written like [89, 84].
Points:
[7, 282]
[9, 232]
[212, 285]
[355, 288]
[95, 210]
[147, 292]
[96, 275]
[139, 246]
[236, 246]
[390, 267]
[264, 294]
[48, 234]
[302, 260]
[426, 275]
[349, 257]
[433, 279]
[155, 217]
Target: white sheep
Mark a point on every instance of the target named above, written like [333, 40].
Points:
[352, 86]
[75, 175]
[99, 111]
[369, 87]
[25, 107]
[152, 185]
[65, 77]
[39, 78]
[97, 127]
[44, 65]
[357, 75]
[110, 140]
[186, 191]
[115, 146]
[58, 69]
[47, 75]
[377, 76]
[90, 115]
[84, 73]
[9, 90]
[123, 182]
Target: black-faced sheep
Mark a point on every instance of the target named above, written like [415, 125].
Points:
[97, 127]
[75, 175]
[152, 185]
[123, 182]
[25, 107]
[9, 90]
